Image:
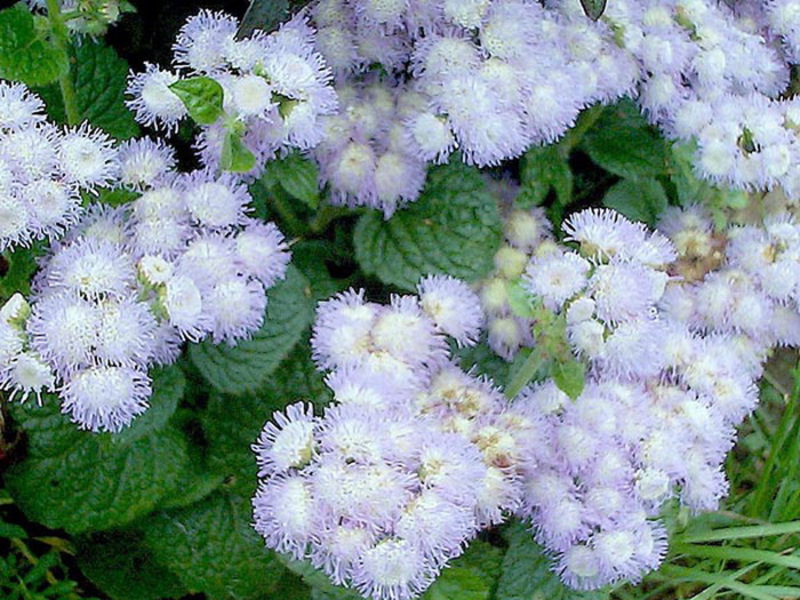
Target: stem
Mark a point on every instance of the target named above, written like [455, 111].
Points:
[525, 374]
[60, 40]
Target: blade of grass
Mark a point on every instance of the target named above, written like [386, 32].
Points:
[763, 492]
[738, 533]
[723, 580]
[740, 554]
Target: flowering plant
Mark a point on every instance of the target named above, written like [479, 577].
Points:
[389, 299]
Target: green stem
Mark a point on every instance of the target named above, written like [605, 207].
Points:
[525, 374]
[61, 42]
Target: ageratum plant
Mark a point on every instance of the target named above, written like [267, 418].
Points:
[492, 300]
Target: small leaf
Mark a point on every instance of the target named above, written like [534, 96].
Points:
[623, 143]
[99, 77]
[542, 169]
[21, 265]
[245, 366]
[519, 299]
[454, 228]
[231, 432]
[640, 200]
[298, 176]
[25, 53]
[483, 360]
[262, 14]
[236, 157]
[202, 97]
[322, 587]
[569, 376]
[594, 9]
[9, 530]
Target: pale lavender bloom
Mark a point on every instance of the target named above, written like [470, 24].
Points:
[153, 103]
[262, 250]
[288, 443]
[145, 162]
[87, 157]
[19, 108]
[556, 277]
[203, 41]
[105, 398]
[454, 308]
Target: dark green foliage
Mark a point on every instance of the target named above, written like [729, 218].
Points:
[454, 228]
[26, 54]
[83, 481]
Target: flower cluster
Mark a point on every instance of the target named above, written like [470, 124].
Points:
[275, 88]
[411, 460]
[123, 289]
[467, 76]
[491, 78]
[415, 456]
[44, 169]
[365, 156]
[674, 328]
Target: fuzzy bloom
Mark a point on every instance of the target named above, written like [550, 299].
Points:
[106, 398]
[556, 277]
[152, 102]
[454, 308]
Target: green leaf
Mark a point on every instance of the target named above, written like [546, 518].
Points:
[202, 97]
[79, 481]
[689, 188]
[263, 14]
[100, 77]
[231, 425]
[483, 359]
[543, 168]
[322, 587]
[196, 482]
[213, 549]
[472, 576]
[569, 377]
[119, 564]
[236, 157]
[312, 257]
[297, 175]
[246, 366]
[25, 53]
[454, 228]
[10, 530]
[21, 267]
[168, 385]
[640, 200]
[623, 143]
[519, 299]
[527, 572]
[594, 9]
